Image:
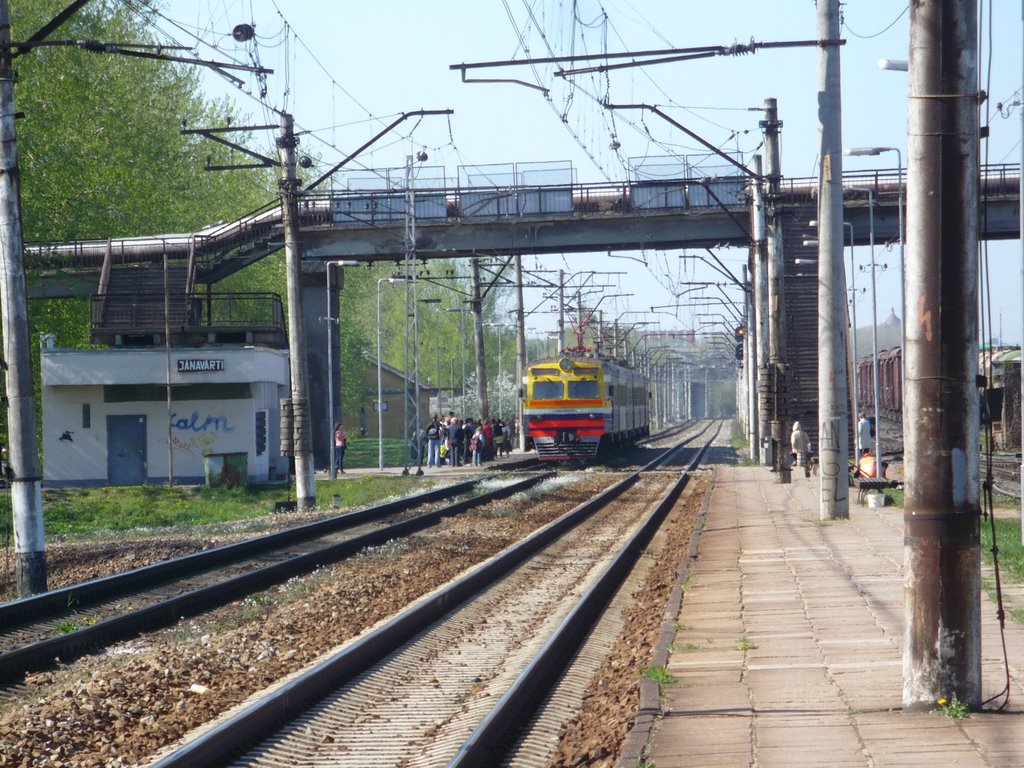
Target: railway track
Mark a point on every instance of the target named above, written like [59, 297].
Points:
[1005, 475]
[67, 623]
[443, 682]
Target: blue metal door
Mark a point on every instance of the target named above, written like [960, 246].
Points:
[126, 450]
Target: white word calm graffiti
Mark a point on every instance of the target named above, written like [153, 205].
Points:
[193, 424]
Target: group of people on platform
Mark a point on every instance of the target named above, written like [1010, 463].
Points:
[454, 442]
[867, 466]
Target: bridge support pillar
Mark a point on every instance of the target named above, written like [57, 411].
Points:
[314, 301]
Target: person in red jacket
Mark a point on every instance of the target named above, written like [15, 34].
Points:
[488, 440]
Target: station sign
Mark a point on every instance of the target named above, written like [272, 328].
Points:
[199, 365]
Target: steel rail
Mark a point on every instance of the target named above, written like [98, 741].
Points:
[545, 669]
[41, 655]
[61, 601]
[226, 740]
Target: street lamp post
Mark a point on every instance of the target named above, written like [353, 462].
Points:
[874, 330]
[874, 152]
[437, 339]
[853, 322]
[380, 386]
[330, 364]
[462, 350]
[499, 327]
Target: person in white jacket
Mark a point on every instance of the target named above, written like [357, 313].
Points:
[800, 445]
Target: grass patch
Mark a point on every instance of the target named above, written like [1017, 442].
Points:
[895, 496]
[953, 708]
[1011, 552]
[84, 512]
[659, 675]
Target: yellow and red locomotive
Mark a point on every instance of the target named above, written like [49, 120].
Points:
[575, 406]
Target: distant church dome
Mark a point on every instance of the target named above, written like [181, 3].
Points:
[892, 321]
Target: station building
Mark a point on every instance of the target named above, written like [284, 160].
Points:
[130, 416]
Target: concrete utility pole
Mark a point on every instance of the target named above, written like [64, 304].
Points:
[833, 435]
[774, 384]
[942, 576]
[478, 340]
[759, 291]
[23, 450]
[520, 350]
[305, 477]
[750, 359]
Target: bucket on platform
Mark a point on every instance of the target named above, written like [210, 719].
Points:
[876, 500]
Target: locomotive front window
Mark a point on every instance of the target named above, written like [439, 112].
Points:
[581, 390]
[547, 390]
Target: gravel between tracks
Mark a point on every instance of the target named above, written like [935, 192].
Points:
[118, 708]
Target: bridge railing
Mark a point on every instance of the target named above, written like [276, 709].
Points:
[997, 180]
[145, 312]
[375, 207]
[361, 208]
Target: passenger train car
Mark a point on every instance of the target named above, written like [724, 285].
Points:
[575, 406]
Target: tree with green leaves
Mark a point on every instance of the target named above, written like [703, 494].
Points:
[100, 146]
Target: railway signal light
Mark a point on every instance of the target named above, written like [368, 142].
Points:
[740, 332]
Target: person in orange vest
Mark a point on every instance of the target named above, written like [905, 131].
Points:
[867, 466]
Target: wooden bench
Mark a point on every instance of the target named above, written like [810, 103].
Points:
[865, 485]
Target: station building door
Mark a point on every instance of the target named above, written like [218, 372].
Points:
[126, 450]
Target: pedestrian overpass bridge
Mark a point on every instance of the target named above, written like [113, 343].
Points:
[134, 280]
[460, 222]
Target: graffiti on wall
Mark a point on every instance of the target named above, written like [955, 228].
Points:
[200, 432]
[195, 423]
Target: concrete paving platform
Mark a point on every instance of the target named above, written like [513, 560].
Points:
[788, 649]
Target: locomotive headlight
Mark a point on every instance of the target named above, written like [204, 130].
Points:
[565, 365]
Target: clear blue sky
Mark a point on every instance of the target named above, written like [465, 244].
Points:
[345, 69]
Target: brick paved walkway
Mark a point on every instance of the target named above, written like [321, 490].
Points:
[789, 645]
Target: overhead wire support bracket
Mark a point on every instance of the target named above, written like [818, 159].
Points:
[463, 67]
[387, 129]
[138, 50]
[637, 59]
[689, 54]
[211, 133]
[689, 133]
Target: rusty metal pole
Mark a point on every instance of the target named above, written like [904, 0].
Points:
[942, 554]
[833, 438]
[775, 386]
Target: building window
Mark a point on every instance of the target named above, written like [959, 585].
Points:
[137, 393]
[86, 416]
